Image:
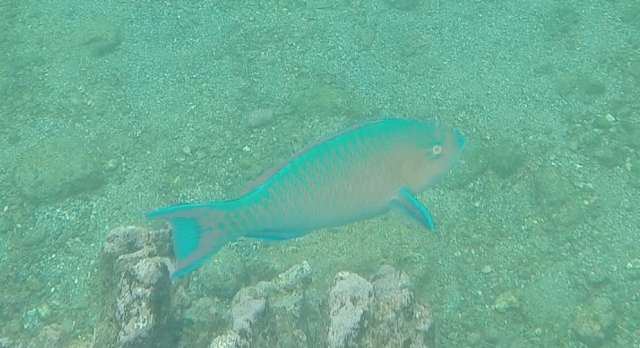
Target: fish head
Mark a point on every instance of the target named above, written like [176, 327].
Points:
[432, 152]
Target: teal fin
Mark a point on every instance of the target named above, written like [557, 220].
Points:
[277, 235]
[194, 240]
[410, 205]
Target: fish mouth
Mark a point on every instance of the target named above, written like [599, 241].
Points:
[459, 140]
[455, 143]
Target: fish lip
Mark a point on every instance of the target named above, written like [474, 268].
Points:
[459, 139]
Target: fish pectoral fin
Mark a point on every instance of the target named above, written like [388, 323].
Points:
[410, 205]
[277, 235]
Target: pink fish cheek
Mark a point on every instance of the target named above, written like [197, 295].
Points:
[430, 171]
[414, 168]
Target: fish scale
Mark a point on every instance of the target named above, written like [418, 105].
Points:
[358, 173]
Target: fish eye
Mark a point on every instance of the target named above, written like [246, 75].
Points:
[436, 149]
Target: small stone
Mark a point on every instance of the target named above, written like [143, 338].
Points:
[609, 118]
[111, 164]
[44, 311]
[604, 121]
[259, 117]
[633, 264]
[506, 301]
[486, 269]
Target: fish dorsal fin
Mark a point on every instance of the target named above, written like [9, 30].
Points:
[270, 173]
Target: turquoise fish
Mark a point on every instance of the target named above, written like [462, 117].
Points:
[359, 173]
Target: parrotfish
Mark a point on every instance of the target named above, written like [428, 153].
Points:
[359, 173]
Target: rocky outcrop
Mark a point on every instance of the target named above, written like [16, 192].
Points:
[380, 313]
[144, 309]
[147, 310]
[355, 313]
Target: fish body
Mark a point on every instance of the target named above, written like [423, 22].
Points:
[359, 173]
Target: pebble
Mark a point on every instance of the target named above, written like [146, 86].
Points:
[506, 301]
[486, 269]
[259, 117]
[633, 264]
[610, 118]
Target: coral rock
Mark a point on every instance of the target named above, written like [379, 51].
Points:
[137, 266]
[143, 297]
[349, 302]
[245, 310]
[380, 314]
[229, 339]
[268, 314]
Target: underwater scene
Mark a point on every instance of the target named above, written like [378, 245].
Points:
[319, 174]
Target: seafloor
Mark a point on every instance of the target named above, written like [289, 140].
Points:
[110, 109]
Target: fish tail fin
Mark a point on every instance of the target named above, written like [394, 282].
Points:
[194, 237]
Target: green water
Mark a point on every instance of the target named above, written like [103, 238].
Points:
[112, 109]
